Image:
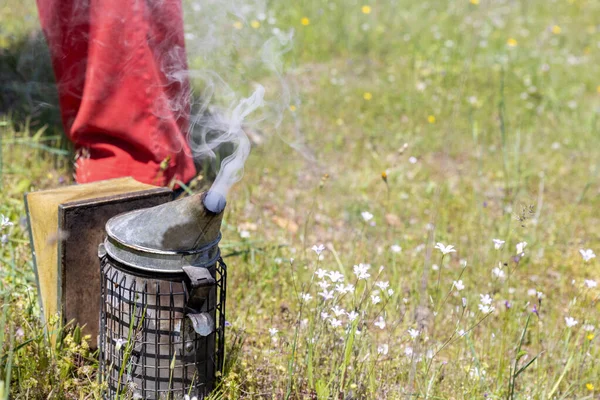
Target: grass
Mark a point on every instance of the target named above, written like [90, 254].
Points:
[498, 105]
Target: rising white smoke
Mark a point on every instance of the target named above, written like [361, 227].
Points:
[225, 127]
[230, 44]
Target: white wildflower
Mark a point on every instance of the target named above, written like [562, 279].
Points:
[360, 271]
[338, 311]
[119, 344]
[350, 288]
[587, 254]
[498, 243]
[395, 248]
[571, 322]
[383, 349]
[335, 322]
[382, 285]
[380, 323]
[485, 299]
[352, 315]
[486, 309]
[367, 216]
[390, 292]
[336, 276]
[327, 295]
[4, 222]
[318, 249]
[321, 273]
[539, 295]
[375, 299]
[464, 302]
[305, 296]
[273, 331]
[589, 283]
[531, 292]
[340, 288]
[414, 333]
[485, 306]
[445, 249]
[588, 328]
[520, 247]
[497, 272]
[408, 351]
[324, 315]
[459, 285]
[461, 333]
[323, 284]
[244, 234]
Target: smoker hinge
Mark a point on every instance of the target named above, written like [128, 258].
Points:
[200, 284]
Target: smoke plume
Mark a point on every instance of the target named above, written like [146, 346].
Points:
[232, 46]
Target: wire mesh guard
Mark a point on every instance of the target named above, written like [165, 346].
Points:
[152, 345]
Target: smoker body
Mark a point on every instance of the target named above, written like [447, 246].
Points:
[162, 318]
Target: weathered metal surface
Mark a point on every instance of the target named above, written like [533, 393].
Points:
[183, 225]
[149, 330]
[163, 294]
[200, 283]
[159, 261]
[79, 275]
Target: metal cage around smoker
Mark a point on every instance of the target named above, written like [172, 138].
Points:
[153, 345]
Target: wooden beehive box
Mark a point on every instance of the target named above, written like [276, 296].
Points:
[66, 227]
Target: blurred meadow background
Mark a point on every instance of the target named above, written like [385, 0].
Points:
[429, 233]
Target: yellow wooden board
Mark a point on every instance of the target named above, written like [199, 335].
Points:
[42, 212]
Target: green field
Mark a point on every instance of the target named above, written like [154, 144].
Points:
[407, 123]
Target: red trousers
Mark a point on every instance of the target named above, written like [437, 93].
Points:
[120, 68]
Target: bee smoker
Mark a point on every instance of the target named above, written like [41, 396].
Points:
[162, 315]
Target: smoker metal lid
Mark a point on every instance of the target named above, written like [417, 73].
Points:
[165, 238]
[122, 244]
[179, 225]
[159, 261]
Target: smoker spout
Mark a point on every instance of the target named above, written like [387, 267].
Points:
[182, 225]
[214, 202]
